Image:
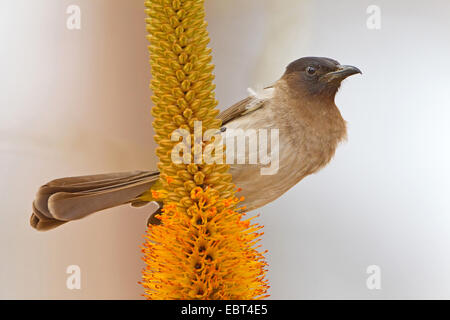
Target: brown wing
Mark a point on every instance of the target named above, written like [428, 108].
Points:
[235, 110]
[243, 107]
[67, 199]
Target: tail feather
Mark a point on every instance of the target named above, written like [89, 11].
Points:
[67, 199]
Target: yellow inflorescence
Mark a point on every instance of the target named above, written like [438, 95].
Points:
[203, 249]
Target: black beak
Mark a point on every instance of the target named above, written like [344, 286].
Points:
[341, 73]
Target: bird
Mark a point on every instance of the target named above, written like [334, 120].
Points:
[300, 105]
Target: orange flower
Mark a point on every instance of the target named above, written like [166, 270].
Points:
[159, 194]
[204, 256]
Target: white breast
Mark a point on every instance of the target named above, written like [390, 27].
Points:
[259, 189]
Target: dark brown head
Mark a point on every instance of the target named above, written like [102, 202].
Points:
[317, 76]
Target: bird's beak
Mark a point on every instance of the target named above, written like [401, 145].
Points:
[341, 73]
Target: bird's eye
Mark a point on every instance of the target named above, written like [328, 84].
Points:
[311, 70]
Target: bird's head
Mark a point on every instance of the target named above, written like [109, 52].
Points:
[317, 76]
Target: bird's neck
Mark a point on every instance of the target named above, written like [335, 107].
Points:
[313, 123]
[319, 112]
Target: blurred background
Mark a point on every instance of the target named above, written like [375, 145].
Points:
[76, 102]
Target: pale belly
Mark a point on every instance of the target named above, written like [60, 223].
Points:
[260, 189]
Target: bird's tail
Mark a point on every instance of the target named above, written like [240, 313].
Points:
[67, 199]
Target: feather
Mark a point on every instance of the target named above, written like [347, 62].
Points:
[256, 100]
[74, 198]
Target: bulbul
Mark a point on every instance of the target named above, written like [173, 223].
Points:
[301, 105]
